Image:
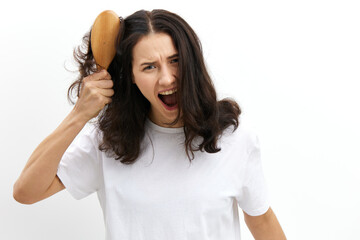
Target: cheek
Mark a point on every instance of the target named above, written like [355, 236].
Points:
[146, 86]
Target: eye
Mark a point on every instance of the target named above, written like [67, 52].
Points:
[176, 60]
[148, 67]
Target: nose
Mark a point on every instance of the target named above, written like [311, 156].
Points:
[167, 76]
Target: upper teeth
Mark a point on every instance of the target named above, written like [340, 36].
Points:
[168, 92]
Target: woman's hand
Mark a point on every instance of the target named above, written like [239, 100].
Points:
[95, 92]
[39, 178]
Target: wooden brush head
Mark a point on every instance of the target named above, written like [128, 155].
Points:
[103, 38]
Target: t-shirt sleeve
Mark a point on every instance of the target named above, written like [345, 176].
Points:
[254, 197]
[79, 168]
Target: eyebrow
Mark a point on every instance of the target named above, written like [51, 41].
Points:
[150, 63]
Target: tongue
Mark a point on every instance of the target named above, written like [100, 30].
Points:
[169, 99]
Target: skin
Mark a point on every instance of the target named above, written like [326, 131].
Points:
[264, 227]
[159, 74]
[38, 179]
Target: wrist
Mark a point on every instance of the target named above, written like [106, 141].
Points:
[78, 117]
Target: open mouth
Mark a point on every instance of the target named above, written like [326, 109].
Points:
[169, 100]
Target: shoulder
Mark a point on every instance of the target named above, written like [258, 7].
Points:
[243, 136]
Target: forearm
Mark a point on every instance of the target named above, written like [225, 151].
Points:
[41, 168]
[265, 227]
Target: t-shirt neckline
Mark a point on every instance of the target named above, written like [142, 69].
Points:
[156, 127]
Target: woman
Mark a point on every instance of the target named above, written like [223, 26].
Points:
[167, 160]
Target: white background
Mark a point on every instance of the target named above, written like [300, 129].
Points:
[293, 66]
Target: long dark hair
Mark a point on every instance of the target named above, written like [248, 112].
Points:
[122, 122]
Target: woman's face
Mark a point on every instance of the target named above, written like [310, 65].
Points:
[155, 66]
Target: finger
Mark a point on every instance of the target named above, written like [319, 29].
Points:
[103, 74]
[108, 100]
[103, 83]
[107, 76]
[106, 92]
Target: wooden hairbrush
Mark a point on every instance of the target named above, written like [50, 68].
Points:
[103, 38]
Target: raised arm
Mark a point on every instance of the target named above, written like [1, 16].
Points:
[38, 180]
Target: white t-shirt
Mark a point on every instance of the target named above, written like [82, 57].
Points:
[162, 196]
